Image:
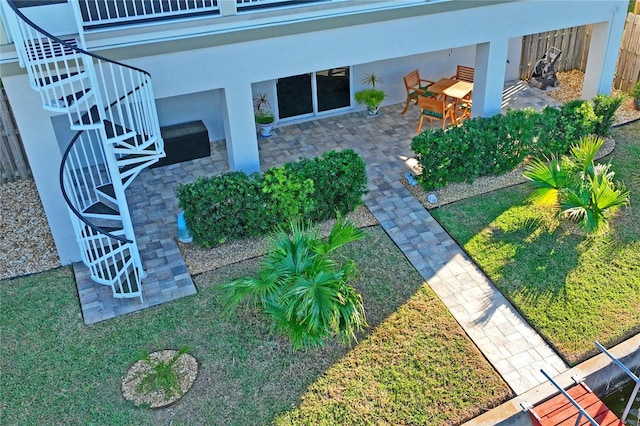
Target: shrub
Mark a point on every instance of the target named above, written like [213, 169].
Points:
[495, 145]
[340, 181]
[290, 194]
[302, 289]
[220, 208]
[235, 205]
[479, 147]
[579, 188]
[605, 107]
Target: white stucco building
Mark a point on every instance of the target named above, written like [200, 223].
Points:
[208, 62]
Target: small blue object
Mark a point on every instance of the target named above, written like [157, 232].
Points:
[183, 232]
[410, 179]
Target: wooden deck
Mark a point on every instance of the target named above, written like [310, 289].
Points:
[558, 411]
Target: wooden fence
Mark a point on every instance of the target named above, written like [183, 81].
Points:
[13, 161]
[574, 43]
[628, 68]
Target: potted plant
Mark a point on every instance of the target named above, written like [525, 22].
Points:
[371, 97]
[264, 114]
[635, 94]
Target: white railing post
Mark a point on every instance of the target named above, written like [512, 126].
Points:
[77, 14]
[228, 7]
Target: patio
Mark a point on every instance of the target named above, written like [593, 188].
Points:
[383, 142]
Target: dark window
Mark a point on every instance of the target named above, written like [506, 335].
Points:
[294, 95]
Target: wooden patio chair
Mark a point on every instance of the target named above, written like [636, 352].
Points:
[434, 108]
[464, 74]
[464, 107]
[415, 86]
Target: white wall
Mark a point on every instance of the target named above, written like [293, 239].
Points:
[58, 19]
[513, 59]
[40, 144]
[205, 106]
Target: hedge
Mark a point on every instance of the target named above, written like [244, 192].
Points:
[236, 205]
[495, 145]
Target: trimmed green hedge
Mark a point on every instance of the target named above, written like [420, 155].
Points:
[236, 205]
[495, 145]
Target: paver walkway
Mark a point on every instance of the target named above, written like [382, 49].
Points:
[509, 343]
[515, 350]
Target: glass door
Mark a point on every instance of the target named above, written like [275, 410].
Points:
[294, 96]
[313, 93]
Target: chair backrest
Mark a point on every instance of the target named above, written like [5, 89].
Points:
[432, 105]
[465, 73]
[412, 80]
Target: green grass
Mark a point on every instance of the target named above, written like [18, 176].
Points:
[414, 365]
[574, 289]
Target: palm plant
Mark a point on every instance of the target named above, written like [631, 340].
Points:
[305, 292]
[582, 190]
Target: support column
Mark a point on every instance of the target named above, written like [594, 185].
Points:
[603, 55]
[44, 154]
[489, 77]
[240, 129]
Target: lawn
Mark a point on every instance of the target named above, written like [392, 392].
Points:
[413, 365]
[574, 289]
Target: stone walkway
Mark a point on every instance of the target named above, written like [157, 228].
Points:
[515, 350]
[509, 343]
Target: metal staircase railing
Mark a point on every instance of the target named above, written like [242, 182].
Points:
[112, 107]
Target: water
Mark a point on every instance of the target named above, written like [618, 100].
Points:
[617, 401]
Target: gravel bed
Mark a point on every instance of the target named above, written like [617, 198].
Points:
[571, 88]
[26, 244]
[199, 259]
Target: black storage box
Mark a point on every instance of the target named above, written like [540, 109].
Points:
[183, 142]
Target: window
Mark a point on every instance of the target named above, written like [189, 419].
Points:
[313, 93]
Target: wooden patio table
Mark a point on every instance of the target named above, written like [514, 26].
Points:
[452, 88]
[455, 89]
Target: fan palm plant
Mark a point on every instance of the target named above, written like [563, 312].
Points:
[306, 292]
[581, 189]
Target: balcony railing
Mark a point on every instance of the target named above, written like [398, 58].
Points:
[116, 12]
[101, 13]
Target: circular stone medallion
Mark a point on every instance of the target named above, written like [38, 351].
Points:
[185, 369]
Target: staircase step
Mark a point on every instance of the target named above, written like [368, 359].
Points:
[107, 191]
[136, 143]
[62, 104]
[89, 120]
[113, 230]
[101, 210]
[115, 269]
[44, 51]
[134, 291]
[115, 130]
[61, 79]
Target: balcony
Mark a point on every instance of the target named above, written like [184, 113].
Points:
[100, 14]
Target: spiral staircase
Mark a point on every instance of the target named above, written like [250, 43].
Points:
[111, 108]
